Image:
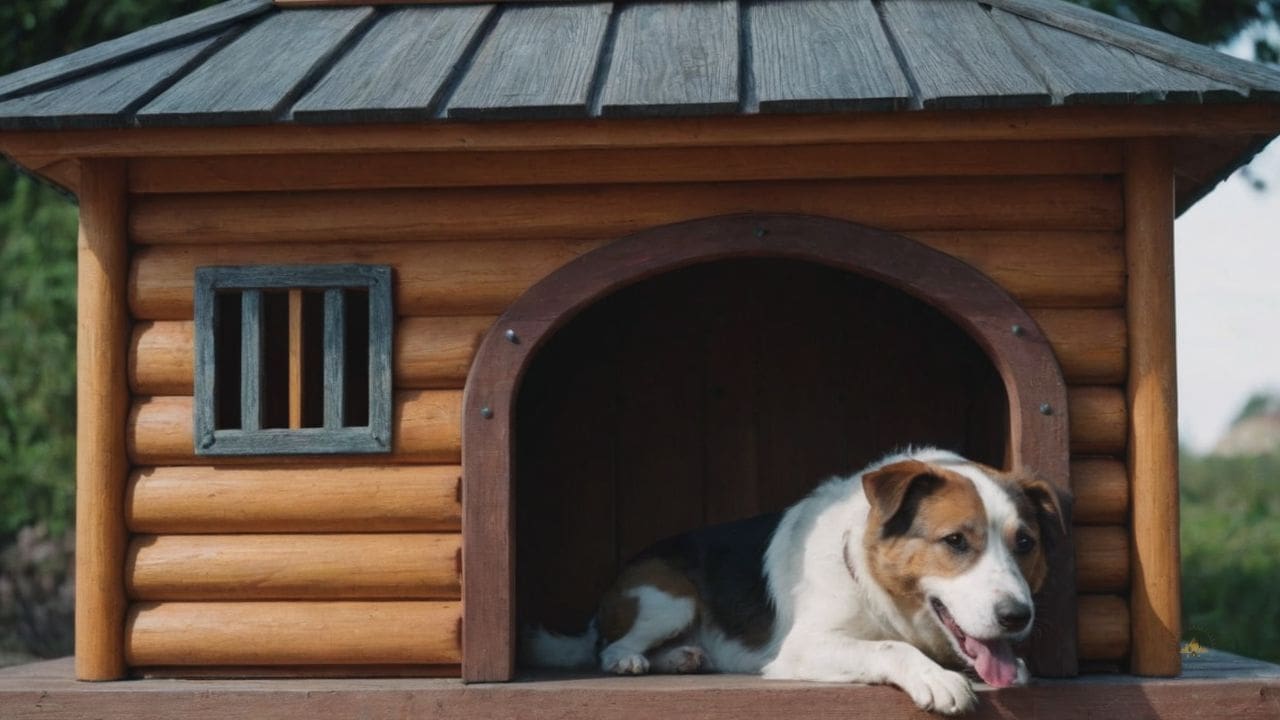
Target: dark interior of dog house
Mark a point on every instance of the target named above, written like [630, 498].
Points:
[718, 392]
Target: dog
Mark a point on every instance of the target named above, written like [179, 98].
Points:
[921, 562]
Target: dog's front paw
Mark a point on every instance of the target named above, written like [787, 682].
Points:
[1024, 676]
[623, 661]
[939, 690]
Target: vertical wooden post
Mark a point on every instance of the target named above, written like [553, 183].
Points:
[102, 406]
[295, 359]
[1155, 602]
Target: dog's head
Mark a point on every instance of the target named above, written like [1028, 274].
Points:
[961, 548]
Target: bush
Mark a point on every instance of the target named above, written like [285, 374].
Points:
[1231, 553]
[37, 593]
[37, 359]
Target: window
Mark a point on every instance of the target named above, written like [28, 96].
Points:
[293, 359]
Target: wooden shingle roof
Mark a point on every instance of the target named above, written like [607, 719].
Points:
[253, 62]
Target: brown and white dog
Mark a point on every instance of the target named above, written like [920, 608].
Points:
[922, 560]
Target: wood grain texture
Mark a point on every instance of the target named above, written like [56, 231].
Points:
[292, 633]
[397, 70]
[281, 672]
[1040, 269]
[425, 429]
[102, 404]
[429, 353]
[258, 74]
[1043, 269]
[1244, 688]
[446, 279]
[1064, 203]
[1059, 123]
[297, 363]
[100, 98]
[1101, 489]
[538, 61]
[288, 499]
[123, 49]
[823, 56]
[1102, 558]
[1152, 394]
[1081, 70]
[1163, 47]
[437, 352]
[957, 56]
[673, 58]
[1099, 419]
[1091, 345]
[272, 173]
[162, 358]
[330, 566]
[1104, 627]
[1030, 375]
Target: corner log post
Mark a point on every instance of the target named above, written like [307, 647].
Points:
[1155, 605]
[102, 407]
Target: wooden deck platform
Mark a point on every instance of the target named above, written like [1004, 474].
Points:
[1215, 685]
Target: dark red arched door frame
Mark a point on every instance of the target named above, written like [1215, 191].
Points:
[1017, 348]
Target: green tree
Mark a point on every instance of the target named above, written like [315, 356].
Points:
[1208, 22]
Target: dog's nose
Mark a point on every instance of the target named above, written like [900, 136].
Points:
[1013, 615]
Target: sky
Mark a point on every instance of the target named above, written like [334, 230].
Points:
[1227, 280]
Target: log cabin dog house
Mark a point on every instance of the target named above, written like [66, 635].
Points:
[401, 322]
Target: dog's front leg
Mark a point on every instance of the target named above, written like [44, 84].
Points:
[834, 657]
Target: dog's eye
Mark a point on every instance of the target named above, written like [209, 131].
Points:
[1023, 543]
[956, 542]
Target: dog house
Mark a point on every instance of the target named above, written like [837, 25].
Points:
[402, 323]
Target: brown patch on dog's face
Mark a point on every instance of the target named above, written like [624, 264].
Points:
[1039, 523]
[925, 521]
[618, 609]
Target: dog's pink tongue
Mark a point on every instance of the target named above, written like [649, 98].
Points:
[994, 661]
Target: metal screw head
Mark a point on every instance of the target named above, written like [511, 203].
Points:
[1018, 330]
[486, 413]
[511, 336]
[761, 232]
[1046, 409]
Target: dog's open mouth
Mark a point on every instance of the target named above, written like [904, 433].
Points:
[992, 659]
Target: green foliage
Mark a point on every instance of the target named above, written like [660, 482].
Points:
[1259, 403]
[37, 357]
[1231, 553]
[32, 31]
[1209, 22]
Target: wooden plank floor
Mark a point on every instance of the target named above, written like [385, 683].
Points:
[1214, 685]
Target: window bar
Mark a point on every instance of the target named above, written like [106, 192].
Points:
[295, 359]
[381, 322]
[250, 360]
[335, 357]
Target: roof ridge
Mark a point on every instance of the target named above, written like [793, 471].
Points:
[131, 46]
[1154, 44]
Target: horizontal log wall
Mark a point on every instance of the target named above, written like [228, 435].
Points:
[274, 173]
[436, 352]
[293, 633]
[333, 566]
[307, 547]
[349, 498]
[1065, 269]
[426, 428]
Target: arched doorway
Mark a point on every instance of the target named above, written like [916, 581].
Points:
[564, 370]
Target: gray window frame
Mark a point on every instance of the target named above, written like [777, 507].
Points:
[333, 437]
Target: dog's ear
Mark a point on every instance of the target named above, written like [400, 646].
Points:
[895, 490]
[1050, 502]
